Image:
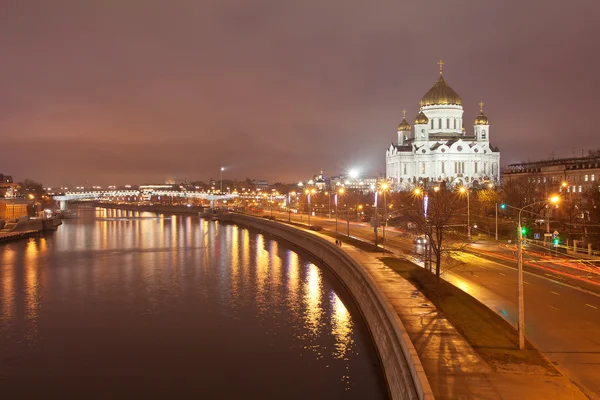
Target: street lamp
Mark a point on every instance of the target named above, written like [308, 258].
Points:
[222, 169]
[309, 192]
[464, 190]
[335, 199]
[384, 189]
[553, 200]
[290, 194]
[491, 186]
[329, 203]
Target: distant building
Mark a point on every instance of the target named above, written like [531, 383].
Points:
[438, 149]
[7, 187]
[364, 184]
[579, 174]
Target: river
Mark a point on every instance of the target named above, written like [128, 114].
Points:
[121, 304]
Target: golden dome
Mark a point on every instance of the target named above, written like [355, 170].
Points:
[481, 119]
[440, 94]
[421, 119]
[404, 126]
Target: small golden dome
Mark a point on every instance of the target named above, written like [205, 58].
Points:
[441, 94]
[421, 119]
[482, 119]
[404, 126]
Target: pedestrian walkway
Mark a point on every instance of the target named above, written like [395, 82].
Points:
[454, 369]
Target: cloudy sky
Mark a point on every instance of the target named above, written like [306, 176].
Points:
[123, 91]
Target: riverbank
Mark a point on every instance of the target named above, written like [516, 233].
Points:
[26, 227]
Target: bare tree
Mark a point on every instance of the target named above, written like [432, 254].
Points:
[433, 216]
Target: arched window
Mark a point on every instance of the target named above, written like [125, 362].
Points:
[432, 123]
[447, 123]
[439, 123]
[455, 123]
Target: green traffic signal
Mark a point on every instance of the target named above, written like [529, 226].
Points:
[523, 230]
[556, 242]
[503, 206]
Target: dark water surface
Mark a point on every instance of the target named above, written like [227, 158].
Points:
[118, 304]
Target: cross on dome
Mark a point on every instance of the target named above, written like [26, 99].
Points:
[441, 64]
[481, 104]
[404, 113]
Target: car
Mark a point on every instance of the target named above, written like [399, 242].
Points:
[420, 240]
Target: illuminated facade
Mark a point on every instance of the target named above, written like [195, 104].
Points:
[437, 148]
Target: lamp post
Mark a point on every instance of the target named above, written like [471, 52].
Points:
[384, 188]
[309, 192]
[465, 190]
[290, 194]
[340, 191]
[553, 199]
[329, 203]
[222, 169]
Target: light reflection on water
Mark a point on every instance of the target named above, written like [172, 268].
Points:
[120, 295]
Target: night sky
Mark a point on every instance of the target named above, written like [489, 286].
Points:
[116, 92]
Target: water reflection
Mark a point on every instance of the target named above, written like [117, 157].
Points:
[113, 287]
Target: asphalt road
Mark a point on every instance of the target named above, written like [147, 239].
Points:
[562, 300]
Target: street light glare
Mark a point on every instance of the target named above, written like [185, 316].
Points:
[384, 186]
[353, 173]
[222, 169]
[417, 191]
[341, 191]
[462, 189]
[554, 199]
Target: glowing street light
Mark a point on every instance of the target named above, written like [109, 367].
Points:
[309, 192]
[554, 200]
[384, 188]
[222, 169]
[340, 191]
[464, 190]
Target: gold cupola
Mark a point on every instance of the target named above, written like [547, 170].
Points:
[481, 118]
[404, 126]
[441, 93]
[421, 119]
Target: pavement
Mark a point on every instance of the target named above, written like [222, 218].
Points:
[454, 369]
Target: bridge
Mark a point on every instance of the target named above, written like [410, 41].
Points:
[140, 194]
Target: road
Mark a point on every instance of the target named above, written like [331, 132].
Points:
[562, 298]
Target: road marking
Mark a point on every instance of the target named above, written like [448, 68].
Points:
[476, 276]
[554, 293]
[495, 284]
[502, 274]
[554, 308]
[589, 305]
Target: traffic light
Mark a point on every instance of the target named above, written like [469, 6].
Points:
[503, 206]
[556, 241]
[523, 230]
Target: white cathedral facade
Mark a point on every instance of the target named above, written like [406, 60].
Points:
[437, 148]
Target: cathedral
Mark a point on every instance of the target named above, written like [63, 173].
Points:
[437, 148]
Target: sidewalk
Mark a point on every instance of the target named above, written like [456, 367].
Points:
[454, 369]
